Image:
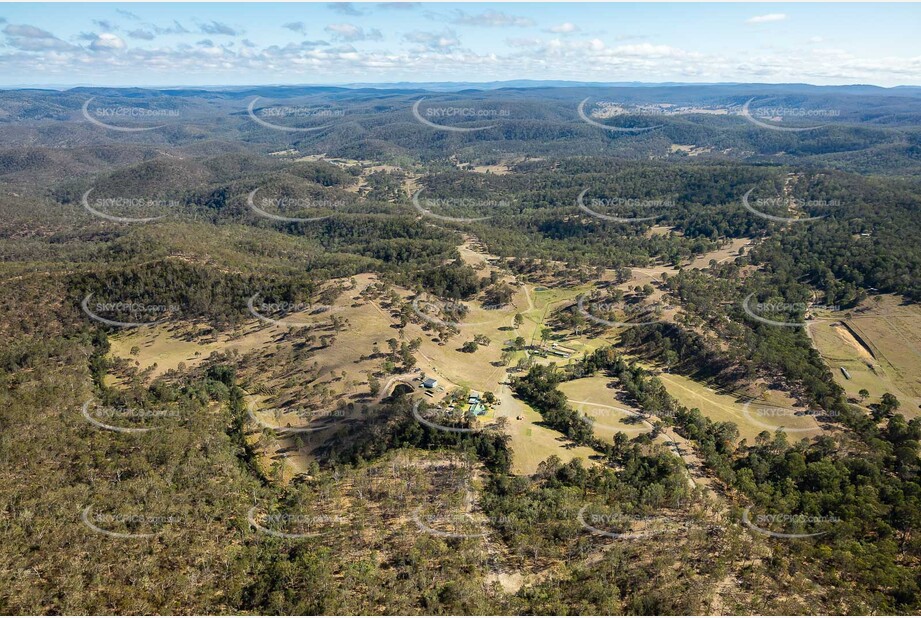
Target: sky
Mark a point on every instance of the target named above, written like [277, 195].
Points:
[223, 44]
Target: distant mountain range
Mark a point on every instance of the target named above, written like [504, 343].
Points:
[494, 85]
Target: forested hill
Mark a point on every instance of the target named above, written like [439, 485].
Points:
[857, 128]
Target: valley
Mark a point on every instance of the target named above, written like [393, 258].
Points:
[534, 366]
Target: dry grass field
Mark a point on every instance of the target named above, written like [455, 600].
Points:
[727, 253]
[879, 344]
[770, 412]
[530, 440]
[337, 373]
[166, 346]
[596, 399]
[340, 370]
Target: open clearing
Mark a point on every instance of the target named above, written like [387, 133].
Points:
[337, 373]
[593, 397]
[168, 346]
[334, 375]
[880, 347]
[726, 254]
[532, 442]
[760, 416]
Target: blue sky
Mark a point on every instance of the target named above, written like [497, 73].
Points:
[122, 44]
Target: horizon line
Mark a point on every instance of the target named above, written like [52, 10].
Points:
[353, 85]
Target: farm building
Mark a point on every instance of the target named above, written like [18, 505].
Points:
[562, 348]
[429, 383]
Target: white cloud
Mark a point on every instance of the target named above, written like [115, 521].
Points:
[647, 50]
[216, 27]
[344, 8]
[764, 19]
[176, 28]
[127, 14]
[295, 26]
[525, 42]
[107, 42]
[142, 34]
[352, 33]
[27, 50]
[491, 19]
[32, 39]
[398, 6]
[27, 32]
[564, 28]
[434, 41]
